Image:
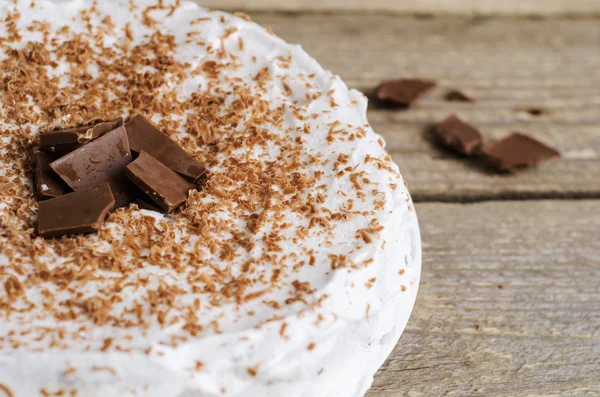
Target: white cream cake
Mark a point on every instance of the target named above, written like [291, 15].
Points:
[291, 273]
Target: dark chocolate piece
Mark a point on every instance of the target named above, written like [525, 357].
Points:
[459, 136]
[82, 211]
[459, 96]
[403, 92]
[165, 187]
[66, 140]
[516, 151]
[145, 205]
[144, 136]
[141, 199]
[47, 183]
[101, 160]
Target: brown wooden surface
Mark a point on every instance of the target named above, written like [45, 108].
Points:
[508, 64]
[480, 7]
[509, 303]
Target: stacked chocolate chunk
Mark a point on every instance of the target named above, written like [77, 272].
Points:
[84, 172]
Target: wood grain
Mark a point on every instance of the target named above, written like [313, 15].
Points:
[507, 64]
[508, 303]
[480, 7]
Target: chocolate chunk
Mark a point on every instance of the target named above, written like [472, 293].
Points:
[165, 187]
[516, 151]
[145, 205]
[459, 96]
[403, 92]
[47, 183]
[141, 199]
[458, 135]
[101, 160]
[63, 141]
[82, 211]
[144, 136]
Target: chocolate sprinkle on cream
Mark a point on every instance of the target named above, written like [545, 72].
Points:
[99, 161]
[517, 151]
[82, 211]
[459, 136]
[161, 184]
[46, 182]
[403, 92]
[144, 136]
[63, 141]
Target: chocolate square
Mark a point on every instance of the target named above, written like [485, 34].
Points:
[516, 151]
[458, 135]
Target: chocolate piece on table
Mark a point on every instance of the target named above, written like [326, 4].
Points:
[144, 136]
[165, 187]
[101, 160]
[66, 140]
[82, 211]
[460, 136]
[403, 92]
[47, 183]
[460, 96]
[516, 151]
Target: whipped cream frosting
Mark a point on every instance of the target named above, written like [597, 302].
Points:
[293, 273]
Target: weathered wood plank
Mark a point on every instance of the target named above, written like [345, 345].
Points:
[508, 64]
[508, 303]
[506, 7]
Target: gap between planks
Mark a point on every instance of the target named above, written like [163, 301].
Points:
[433, 198]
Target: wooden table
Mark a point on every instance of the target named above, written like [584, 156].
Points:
[509, 303]
[472, 7]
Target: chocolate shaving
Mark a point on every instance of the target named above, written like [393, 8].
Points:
[459, 136]
[459, 96]
[144, 136]
[167, 189]
[47, 184]
[63, 141]
[403, 92]
[516, 151]
[82, 211]
[101, 160]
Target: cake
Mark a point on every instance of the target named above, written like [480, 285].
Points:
[291, 271]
